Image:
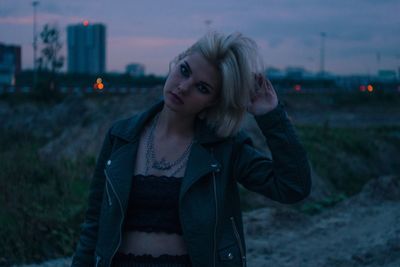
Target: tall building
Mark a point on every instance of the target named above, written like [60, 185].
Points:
[135, 69]
[86, 48]
[10, 63]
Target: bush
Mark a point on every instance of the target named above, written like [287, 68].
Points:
[349, 157]
[41, 203]
[44, 92]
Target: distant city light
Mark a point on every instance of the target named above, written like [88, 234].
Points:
[297, 87]
[85, 23]
[370, 88]
[99, 85]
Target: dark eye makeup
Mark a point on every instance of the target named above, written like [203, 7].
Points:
[185, 70]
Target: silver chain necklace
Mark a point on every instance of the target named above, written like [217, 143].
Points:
[162, 164]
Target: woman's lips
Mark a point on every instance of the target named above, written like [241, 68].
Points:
[176, 98]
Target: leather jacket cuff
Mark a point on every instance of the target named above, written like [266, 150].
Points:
[273, 118]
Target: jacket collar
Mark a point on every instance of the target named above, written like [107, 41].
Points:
[131, 128]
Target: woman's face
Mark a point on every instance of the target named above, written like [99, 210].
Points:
[192, 85]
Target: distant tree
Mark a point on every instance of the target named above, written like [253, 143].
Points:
[49, 63]
[50, 59]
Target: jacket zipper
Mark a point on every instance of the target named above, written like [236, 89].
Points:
[216, 218]
[122, 212]
[108, 194]
[239, 241]
[97, 260]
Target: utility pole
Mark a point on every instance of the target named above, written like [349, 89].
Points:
[208, 24]
[322, 54]
[34, 4]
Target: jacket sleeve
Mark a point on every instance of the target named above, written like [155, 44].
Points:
[84, 254]
[284, 178]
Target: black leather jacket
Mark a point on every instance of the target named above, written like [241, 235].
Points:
[209, 202]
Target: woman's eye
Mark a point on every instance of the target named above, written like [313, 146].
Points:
[184, 70]
[203, 89]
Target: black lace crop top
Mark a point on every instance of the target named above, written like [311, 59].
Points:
[153, 205]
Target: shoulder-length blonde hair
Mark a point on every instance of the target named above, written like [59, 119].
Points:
[237, 59]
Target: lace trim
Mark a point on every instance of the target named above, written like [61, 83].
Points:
[148, 258]
[143, 177]
[148, 229]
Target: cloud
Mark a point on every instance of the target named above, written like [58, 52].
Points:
[149, 42]
[43, 17]
[16, 20]
[155, 52]
[287, 31]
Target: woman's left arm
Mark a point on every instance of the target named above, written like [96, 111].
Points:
[286, 177]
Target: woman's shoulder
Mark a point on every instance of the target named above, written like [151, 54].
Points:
[129, 128]
[241, 138]
[126, 128]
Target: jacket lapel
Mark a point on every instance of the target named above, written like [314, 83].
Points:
[199, 164]
[121, 165]
[120, 169]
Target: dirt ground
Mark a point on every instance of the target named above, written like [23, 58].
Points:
[361, 231]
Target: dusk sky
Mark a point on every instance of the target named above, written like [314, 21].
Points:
[361, 35]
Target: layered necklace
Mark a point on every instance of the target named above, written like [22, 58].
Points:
[163, 165]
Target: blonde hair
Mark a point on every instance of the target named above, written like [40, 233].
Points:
[236, 57]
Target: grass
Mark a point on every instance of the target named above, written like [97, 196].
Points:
[316, 207]
[349, 157]
[42, 203]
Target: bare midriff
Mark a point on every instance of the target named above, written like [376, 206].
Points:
[155, 244]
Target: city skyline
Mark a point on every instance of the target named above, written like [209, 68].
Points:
[86, 48]
[361, 36]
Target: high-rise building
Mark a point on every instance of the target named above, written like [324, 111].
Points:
[135, 69]
[86, 48]
[10, 63]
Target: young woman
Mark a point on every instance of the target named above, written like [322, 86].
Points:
[164, 191]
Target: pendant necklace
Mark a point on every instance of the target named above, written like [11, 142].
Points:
[163, 165]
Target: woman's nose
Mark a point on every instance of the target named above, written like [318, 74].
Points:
[185, 86]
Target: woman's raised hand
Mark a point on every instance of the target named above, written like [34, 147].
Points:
[264, 98]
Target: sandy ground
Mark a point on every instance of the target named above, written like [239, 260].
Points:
[361, 231]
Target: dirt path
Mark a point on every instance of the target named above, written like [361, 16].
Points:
[362, 231]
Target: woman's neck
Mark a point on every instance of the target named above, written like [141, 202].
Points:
[173, 124]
